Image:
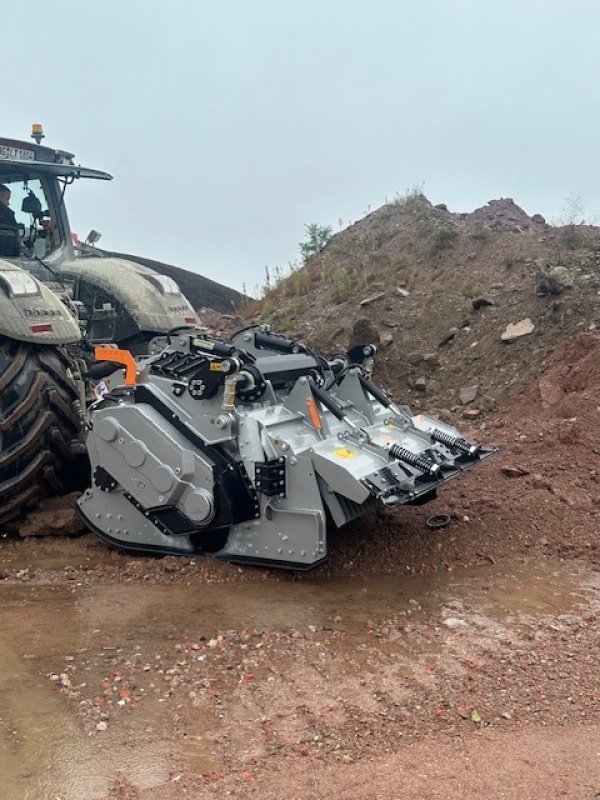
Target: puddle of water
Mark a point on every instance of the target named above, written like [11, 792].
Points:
[203, 609]
[43, 751]
[44, 755]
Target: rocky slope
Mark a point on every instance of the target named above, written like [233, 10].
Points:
[436, 290]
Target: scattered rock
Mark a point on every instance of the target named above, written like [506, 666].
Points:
[421, 384]
[431, 360]
[467, 394]
[514, 472]
[386, 339]
[481, 302]
[364, 332]
[553, 280]
[402, 292]
[539, 219]
[515, 330]
[454, 622]
[368, 300]
[471, 413]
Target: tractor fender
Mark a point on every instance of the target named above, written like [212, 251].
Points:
[149, 300]
[31, 312]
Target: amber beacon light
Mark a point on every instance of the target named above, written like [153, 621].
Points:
[37, 132]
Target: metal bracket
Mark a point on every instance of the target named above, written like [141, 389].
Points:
[104, 480]
[269, 477]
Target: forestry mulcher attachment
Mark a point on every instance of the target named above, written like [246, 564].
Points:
[245, 448]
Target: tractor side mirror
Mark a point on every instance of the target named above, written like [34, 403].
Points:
[93, 237]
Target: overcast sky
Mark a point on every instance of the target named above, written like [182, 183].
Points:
[228, 125]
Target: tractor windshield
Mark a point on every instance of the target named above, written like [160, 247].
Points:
[37, 233]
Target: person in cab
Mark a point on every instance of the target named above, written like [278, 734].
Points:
[9, 229]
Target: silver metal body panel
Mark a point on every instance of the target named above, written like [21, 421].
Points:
[36, 316]
[135, 287]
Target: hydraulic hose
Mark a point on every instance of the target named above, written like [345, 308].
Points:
[269, 342]
[375, 391]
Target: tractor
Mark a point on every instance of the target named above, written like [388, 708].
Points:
[59, 299]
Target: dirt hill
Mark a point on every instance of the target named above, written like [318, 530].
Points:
[437, 290]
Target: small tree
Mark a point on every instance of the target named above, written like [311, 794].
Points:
[317, 237]
[573, 214]
[573, 210]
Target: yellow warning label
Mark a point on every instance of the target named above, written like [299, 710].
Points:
[216, 366]
[345, 452]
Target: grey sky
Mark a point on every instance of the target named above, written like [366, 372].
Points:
[229, 124]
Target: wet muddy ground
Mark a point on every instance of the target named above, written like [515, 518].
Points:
[168, 681]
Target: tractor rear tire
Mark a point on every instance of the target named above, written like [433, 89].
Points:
[41, 423]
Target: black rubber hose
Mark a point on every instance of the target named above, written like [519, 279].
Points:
[375, 391]
[278, 343]
[221, 349]
[101, 369]
[328, 401]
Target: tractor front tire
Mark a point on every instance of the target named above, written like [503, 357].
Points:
[41, 424]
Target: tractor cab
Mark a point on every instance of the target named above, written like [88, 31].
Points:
[36, 178]
[114, 299]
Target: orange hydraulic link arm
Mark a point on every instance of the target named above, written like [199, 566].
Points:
[123, 357]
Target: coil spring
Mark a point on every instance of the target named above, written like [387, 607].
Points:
[421, 462]
[456, 442]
